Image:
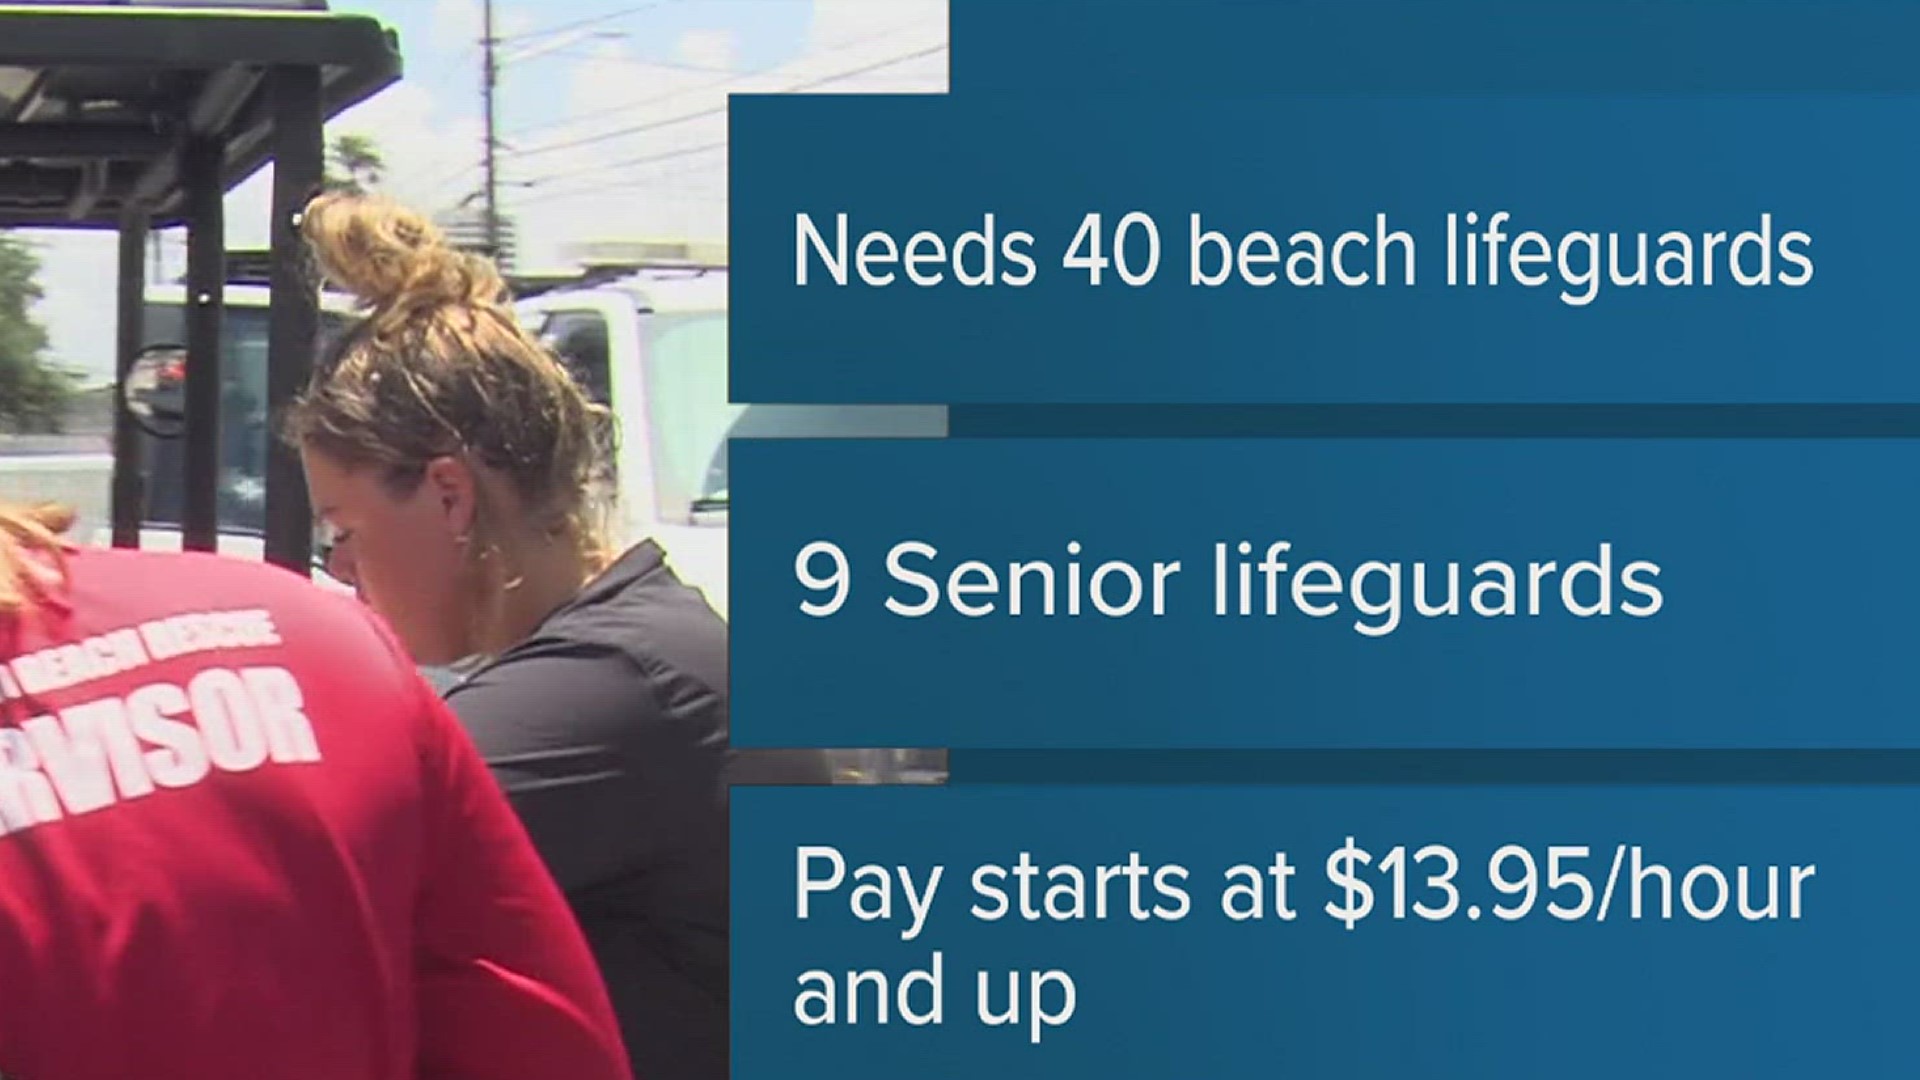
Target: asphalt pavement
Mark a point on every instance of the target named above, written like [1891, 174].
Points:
[42, 445]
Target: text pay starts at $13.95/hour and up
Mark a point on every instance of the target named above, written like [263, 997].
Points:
[1432, 882]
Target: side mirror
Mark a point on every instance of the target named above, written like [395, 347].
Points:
[156, 391]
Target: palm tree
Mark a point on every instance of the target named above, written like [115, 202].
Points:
[354, 163]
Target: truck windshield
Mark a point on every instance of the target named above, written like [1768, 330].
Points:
[244, 426]
[687, 397]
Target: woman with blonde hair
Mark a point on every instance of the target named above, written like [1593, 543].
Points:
[459, 469]
[241, 838]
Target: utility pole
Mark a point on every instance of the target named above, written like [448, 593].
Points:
[489, 77]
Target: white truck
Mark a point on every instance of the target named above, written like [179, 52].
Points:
[652, 344]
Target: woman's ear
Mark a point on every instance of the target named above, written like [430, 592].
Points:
[451, 484]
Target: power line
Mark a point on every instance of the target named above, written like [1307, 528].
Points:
[732, 77]
[716, 110]
[870, 68]
[461, 171]
[489, 82]
[631, 163]
[720, 144]
[671, 176]
[581, 24]
[667, 65]
[442, 179]
[649, 159]
[631, 106]
[617, 186]
[674, 173]
[637, 129]
[703, 147]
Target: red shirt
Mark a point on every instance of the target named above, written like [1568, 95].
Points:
[241, 838]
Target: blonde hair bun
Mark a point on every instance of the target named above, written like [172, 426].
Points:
[392, 259]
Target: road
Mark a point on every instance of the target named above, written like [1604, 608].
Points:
[42, 445]
[76, 472]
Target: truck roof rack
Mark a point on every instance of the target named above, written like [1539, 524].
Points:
[527, 286]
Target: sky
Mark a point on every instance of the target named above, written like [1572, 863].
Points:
[610, 115]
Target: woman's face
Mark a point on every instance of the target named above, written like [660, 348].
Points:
[403, 555]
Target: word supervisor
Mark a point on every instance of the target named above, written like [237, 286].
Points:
[93, 756]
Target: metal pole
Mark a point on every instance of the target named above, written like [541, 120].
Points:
[206, 298]
[294, 319]
[490, 76]
[129, 485]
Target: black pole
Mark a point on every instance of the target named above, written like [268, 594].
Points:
[206, 299]
[294, 326]
[129, 487]
[490, 75]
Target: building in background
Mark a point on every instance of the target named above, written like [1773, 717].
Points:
[703, 254]
[466, 229]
